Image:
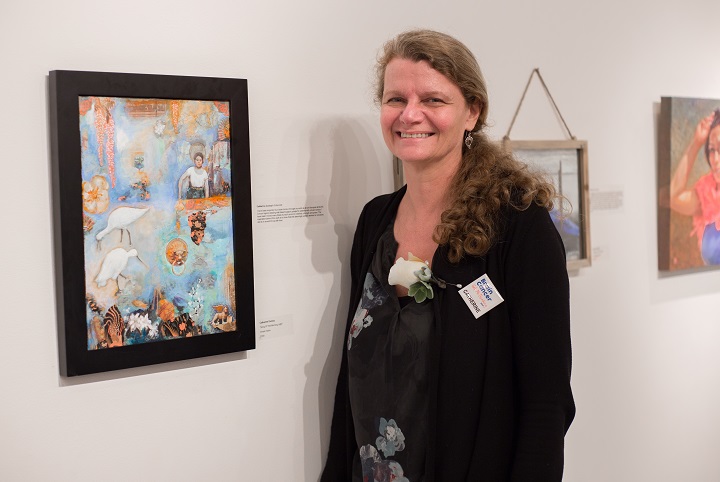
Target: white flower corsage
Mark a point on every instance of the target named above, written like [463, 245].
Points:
[415, 275]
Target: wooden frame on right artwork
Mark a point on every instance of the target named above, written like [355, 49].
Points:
[688, 184]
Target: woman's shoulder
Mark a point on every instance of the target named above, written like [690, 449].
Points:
[524, 221]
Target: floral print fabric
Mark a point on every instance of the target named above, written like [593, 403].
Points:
[375, 469]
[391, 438]
[387, 365]
[373, 295]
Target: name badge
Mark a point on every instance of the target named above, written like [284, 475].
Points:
[481, 296]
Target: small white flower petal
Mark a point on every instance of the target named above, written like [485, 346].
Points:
[403, 272]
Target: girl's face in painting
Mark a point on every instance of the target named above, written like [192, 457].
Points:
[198, 161]
[714, 152]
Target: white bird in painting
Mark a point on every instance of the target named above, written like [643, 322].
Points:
[113, 265]
[121, 218]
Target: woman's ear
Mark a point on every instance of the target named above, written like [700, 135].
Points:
[473, 116]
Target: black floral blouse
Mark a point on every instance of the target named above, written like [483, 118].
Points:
[388, 382]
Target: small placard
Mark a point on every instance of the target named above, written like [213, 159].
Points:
[275, 327]
[287, 212]
[481, 296]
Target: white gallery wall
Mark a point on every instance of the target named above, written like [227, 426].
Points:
[646, 346]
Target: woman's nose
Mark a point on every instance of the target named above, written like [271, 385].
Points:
[411, 114]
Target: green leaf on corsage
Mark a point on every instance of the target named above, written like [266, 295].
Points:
[421, 291]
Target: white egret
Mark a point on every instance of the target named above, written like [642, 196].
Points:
[113, 265]
[120, 218]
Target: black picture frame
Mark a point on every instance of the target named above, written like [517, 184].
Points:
[65, 90]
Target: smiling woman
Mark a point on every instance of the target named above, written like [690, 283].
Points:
[435, 386]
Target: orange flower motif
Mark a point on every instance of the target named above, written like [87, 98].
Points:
[95, 195]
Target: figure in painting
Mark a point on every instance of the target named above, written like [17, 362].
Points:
[702, 199]
[197, 180]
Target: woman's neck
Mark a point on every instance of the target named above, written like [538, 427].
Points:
[427, 189]
[419, 212]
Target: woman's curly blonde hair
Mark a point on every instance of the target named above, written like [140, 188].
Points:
[489, 177]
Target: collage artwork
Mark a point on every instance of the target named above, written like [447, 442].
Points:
[157, 219]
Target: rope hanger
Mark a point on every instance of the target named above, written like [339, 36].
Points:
[552, 101]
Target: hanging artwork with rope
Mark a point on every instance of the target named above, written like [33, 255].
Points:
[154, 246]
[565, 164]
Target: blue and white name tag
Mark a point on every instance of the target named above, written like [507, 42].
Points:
[481, 296]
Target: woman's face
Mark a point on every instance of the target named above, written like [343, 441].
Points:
[198, 162]
[714, 152]
[423, 115]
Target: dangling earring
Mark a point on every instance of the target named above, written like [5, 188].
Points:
[468, 140]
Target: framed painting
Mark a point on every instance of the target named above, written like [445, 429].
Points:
[153, 239]
[564, 163]
[688, 184]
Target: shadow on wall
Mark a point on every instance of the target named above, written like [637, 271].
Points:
[356, 164]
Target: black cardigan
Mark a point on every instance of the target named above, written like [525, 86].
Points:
[502, 402]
